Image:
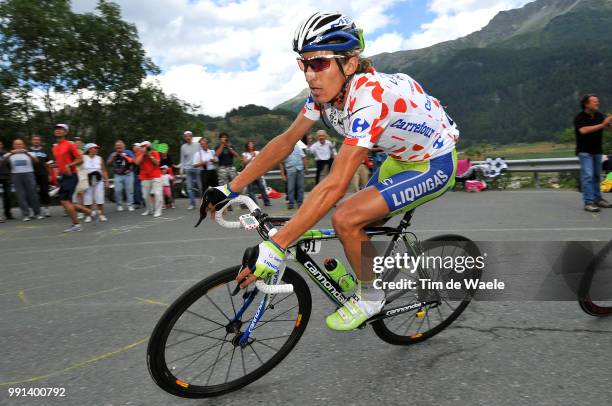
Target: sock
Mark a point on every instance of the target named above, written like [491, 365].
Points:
[367, 291]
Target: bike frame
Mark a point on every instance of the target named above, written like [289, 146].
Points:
[321, 278]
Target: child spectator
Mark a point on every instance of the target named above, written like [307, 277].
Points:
[167, 180]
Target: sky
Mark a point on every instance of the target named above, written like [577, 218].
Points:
[223, 54]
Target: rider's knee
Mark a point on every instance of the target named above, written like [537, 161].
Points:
[342, 220]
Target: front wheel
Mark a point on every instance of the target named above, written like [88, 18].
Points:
[444, 306]
[194, 350]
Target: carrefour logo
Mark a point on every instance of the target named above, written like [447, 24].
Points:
[417, 128]
[439, 143]
[359, 125]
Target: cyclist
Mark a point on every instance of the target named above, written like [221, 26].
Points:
[367, 108]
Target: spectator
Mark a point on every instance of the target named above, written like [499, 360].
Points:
[138, 201]
[22, 164]
[5, 182]
[167, 180]
[589, 125]
[293, 170]
[205, 159]
[166, 160]
[323, 152]
[121, 162]
[97, 177]
[192, 175]
[225, 154]
[150, 178]
[360, 178]
[41, 172]
[247, 156]
[68, 157]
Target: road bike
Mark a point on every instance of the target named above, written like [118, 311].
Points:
[216, 338]
[596, 278]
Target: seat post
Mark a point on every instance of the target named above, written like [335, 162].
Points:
[406, 219]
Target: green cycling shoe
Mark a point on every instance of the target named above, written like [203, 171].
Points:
[353, 314]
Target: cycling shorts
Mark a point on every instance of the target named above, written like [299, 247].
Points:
[406, 185]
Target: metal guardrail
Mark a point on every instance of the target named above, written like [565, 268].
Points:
[541, 165]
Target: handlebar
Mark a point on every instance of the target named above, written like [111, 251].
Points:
[238, 200]
[252, 206]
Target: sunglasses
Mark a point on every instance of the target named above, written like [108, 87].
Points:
[317, 63]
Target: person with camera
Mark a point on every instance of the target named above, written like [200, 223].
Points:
[225, 154]
[22, 164]
[150, 179]
[121, 162]
[589, 125]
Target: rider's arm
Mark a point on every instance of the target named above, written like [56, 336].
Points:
[324, 196]
[273, 153]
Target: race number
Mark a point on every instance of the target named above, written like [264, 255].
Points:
[311, 246]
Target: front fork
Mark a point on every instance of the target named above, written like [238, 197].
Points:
[244, 338]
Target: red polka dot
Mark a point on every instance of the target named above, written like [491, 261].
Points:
[418, 88]
[384, 111]
[400, 150]
[352, 103]
[360, 82]
[399, 158]
[417, 147]
[375, 132]
[413, 104]
[426, 156]
[351, 141]
[377, 93]
[411, 157]
[398, 138]
[400, 106]
[370, 84]
[436, 103]
[317, 107]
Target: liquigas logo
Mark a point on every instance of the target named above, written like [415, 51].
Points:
[314, 271]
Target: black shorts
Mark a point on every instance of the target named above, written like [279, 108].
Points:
[68, 184]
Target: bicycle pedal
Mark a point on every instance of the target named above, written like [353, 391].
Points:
[420, 314]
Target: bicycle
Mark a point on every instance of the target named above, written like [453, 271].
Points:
[211, 317]
[598, 267]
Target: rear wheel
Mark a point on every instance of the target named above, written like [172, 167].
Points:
[443, 307]
[595, 290]
[194, 351]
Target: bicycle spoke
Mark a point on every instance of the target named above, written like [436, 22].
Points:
[230, 365]
[200, 335]
[191, 338]
[231, 298]
[192, 354]
[255, 352]
[272, 338]
[215, 363]
[217, 307]
[202, 317]
[274, 318]
[267, 345]
[242, 356]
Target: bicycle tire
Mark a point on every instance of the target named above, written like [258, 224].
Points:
[382, 327]
[164, 374]
[585, 300]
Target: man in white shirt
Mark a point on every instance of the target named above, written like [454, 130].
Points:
[205, 160]
[323, 152]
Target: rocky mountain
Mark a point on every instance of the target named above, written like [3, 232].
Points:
[520, 77]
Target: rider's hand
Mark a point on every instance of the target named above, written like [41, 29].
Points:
[214, 199]
[261, 261]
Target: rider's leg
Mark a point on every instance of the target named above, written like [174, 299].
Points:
[349, 220]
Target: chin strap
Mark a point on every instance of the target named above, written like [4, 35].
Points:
[342, 93]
